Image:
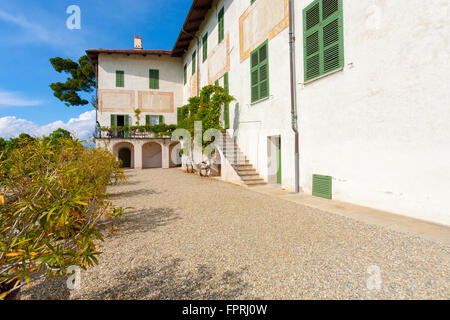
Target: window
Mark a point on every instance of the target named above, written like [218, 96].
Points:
[323, 38]
[153, 120]
[221, 24]
[194, 61]
[205, 47]
[185, 73]
[120, 79]
[154, 79]
[118, 120]
[259, 72]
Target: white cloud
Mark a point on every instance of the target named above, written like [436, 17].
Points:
[81, 127]
[13, 99]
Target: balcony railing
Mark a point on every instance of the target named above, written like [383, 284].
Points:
[158, 131]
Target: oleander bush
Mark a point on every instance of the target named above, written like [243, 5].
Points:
[52, 196]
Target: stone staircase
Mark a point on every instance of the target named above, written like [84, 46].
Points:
[240, 163]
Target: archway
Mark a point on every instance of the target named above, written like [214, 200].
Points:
[125, 157]
[124, 151]
[152, 155]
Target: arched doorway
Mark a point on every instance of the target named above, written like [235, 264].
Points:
[152, 155]
[124, 151]
[125, 157]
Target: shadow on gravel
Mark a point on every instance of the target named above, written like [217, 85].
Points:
[127, 183]
[144, 220]
[48, 289]
[132, 193]
[171, 282]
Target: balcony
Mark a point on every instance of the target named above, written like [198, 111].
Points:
[161, 130]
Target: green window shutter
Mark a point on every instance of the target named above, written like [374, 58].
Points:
[205, 47]
[263, 71]
[154, 79]
[127, 125]
[323, 36]
[259, 72]
[221, 24]
[226, 110]
[225, 83]
[161, 119]
[147, 120]
[113, 120]
[194, 62]
[322, 186]
[252, 1]
[333, 35]
[120, 79]
[254, 61]
[179, 115]
[185, 73]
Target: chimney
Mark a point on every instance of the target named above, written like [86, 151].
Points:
[137, 43]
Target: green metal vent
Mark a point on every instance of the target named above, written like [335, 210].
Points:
[322, 186]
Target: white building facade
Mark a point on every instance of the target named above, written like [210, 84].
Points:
[371, 89]
[147, 81]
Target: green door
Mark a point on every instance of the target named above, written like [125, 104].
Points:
[278, 160]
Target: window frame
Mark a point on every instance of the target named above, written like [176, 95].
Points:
[257, 68]
[154, 82]
[205, 47]
[120, 81]
[221, 25]
[194, 62]
[322, 48]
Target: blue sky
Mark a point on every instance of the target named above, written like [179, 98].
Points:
[34, 31]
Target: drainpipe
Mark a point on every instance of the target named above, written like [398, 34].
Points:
[198, 59]
[294, 91]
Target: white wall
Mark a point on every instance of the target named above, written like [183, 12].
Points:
[136, 68]
[254, 122]
[380, 127]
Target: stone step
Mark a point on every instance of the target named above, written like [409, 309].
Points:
[252, 178]
[255, 183]
[244, 173]
[239, 162]
[244, 167]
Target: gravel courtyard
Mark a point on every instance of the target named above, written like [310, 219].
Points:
[193, 238]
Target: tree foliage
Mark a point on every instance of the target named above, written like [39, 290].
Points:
[206, 108]
[82, 80]
[52, 195]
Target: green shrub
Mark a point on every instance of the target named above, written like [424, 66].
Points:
[52, 195]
